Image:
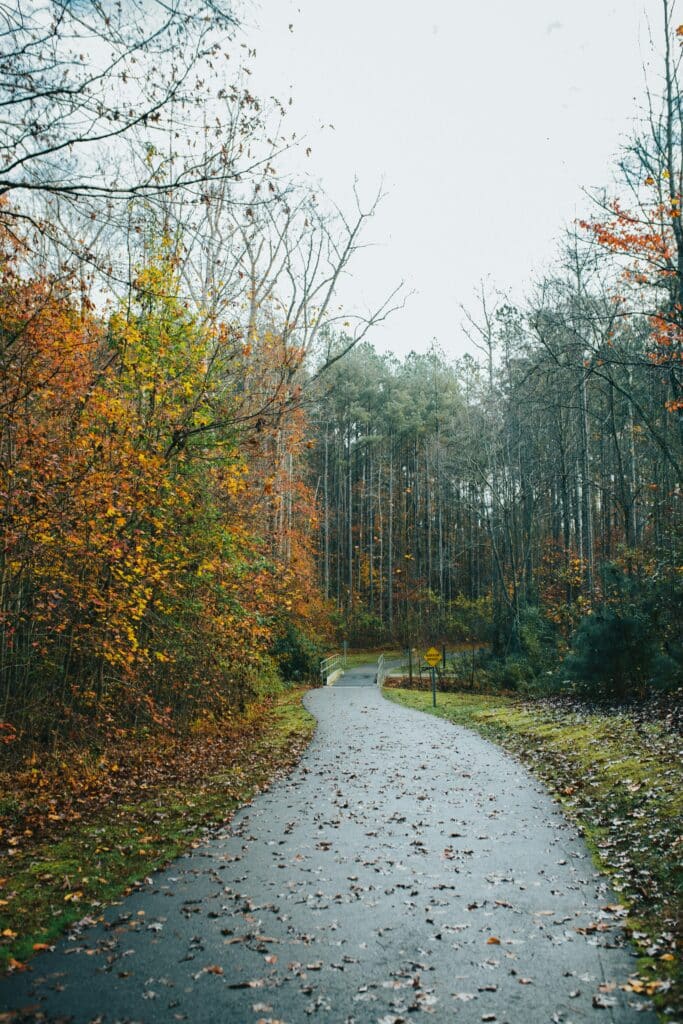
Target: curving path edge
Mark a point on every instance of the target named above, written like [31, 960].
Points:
[406, 869]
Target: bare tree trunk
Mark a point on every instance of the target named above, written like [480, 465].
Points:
[390, 546]
[326, 519]
[587, 510]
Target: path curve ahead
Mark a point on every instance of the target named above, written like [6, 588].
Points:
[407, 870]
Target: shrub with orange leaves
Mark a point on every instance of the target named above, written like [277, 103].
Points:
[145, 568]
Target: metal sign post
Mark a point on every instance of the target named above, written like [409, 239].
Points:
[433, 657]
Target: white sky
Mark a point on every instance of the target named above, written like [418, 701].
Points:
[483, 120]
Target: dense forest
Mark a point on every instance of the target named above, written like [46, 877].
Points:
[162, 291]
[206, 481]
[514, 500]
[527, 496]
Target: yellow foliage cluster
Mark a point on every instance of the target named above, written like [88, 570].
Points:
[144, 565]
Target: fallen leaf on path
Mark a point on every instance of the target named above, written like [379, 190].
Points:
[603, 1002]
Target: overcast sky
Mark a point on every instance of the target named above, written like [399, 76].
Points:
[482, 120]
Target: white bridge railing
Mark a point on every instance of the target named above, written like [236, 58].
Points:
[331, 668]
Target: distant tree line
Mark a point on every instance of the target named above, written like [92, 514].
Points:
[530, 496]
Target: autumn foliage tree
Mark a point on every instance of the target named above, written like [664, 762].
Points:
[162, 292]
[143, 576]
[644, 232]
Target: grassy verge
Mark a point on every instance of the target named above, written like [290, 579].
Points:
[621, 781]
[90, 862]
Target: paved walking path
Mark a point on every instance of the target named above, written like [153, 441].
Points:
[407, 870]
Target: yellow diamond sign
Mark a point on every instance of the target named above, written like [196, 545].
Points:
[432, 656]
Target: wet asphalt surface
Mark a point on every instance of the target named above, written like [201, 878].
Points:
[407, 870]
